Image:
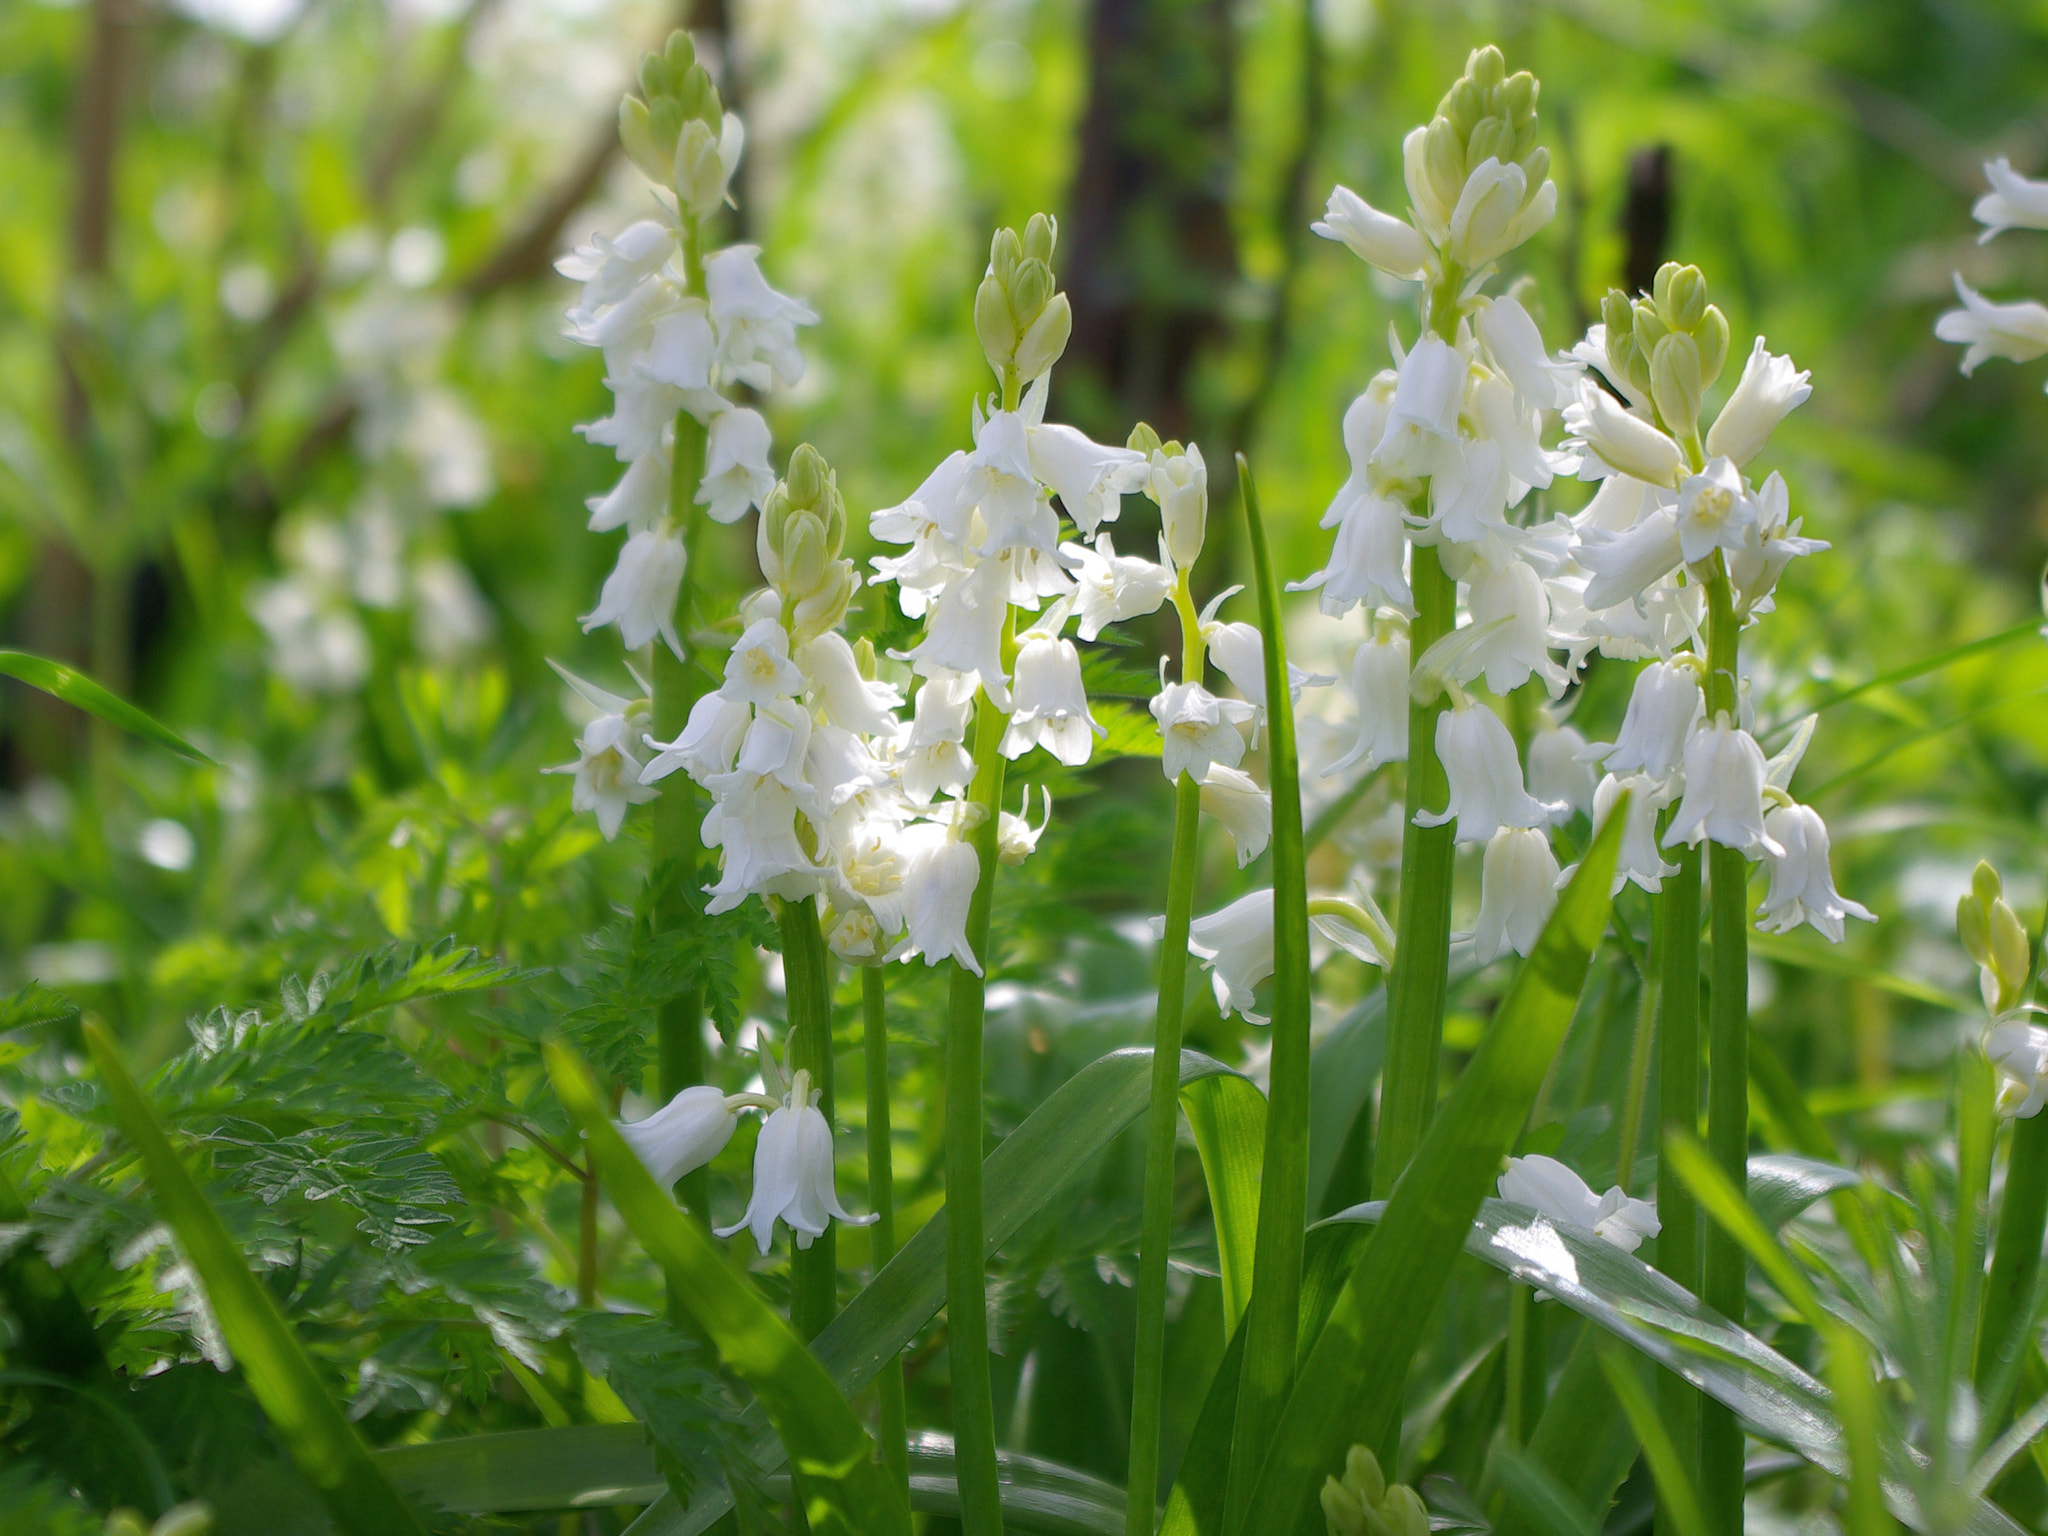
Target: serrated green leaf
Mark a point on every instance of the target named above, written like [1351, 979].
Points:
[35, 1004]
[81, 692]
[308, 1421]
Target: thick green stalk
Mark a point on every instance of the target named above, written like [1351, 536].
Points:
[1675, 944]
[1415, 989]
[1528, 1376]
[1725, 1269]
[1638, 1064]
[882, 1201]
[2016, 1262]
[678, 816]
[807, 975]
[974, 1429]
[1272, 1316]
[1149, 1360]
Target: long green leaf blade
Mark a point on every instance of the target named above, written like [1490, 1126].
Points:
[843, 1486]
[1270, 1314]
[308, 1420]
[1228, 1117]
[1350, 1389]
[81, 692]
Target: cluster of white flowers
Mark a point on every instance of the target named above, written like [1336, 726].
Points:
[1447, 445]
[681, 331]
[424, 454]
[2019, 330]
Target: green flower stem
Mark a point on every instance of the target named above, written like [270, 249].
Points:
[1725, 1267]
[807, 975]
[1527, 1376]
[1272, 1317]
[974, 1429]
[1163, 1119]
[679, 814]
[1639, 1057]
[882, 1201]
[1676, 943]
[2016, 1261]
[1416, 986]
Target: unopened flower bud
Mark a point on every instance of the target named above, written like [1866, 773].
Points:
[803, 555]
[1681, 295]
[826, 604]
[1030, 290]
[1045, 341]
[1485, 67]
[1041, 237]
[1005, 251]
[193, 1519]
[1712, 337]
[1995, 938]
[1650, 327]
[864, 658]
[805, 482]
[1675, 383]
[993, 324]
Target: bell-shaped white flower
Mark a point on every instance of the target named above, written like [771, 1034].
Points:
[1378, 239]
[1802, 886]
[756, 325]
[1626, 565]
[1246, 810]
[1554, 1190]
[793, 1173]
[1468, 499]
[1090, 478]
[1016, 837]
[1049, 702]
[1236, 944]
[610, 267]
[685, 1133]
[936, 892]
[1179, 483]
[1663, 708]
[1617, 442]
[1558, 769]
[1113, 587]
[850, 701]
[1769, 390]
[1512, 596]
[2018, 331]
[1368, 558]
[1770, 544]
[1715, 511]
[1517, 892]
[1422, 424]
[681, 349]
[759, 669]
[709, 742]
[640, 594]
[1379, 687]
[932, 756]
[737, 474]
[1003, 487]
[2020, 1052]
[753, 820]
[607, 770]
[2014, 201]
[1724, 792]
[1486, 790]
[964, 633]
[1516, 347]
[1196, 729]
[637, 501]
[704, 165]
[1639, 861]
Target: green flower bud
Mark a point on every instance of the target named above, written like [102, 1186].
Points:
[1031, 289]
[1617, 314]
[1362, 1504]
[1046, 341]
[125, 1522]
[1343, 1514]
[1485, 142]
[1518, 100]
[1681, 295]
[994, 324]
[807, 478]
[1675, 383]
[1535, 162]
[1443, 160]
[1995, 938]
[1712, 336]
[826, 604]
[864, 658]
[1041, 237]
[1402, 1513]
[637, 137]
[803, 556]
[1465, 108]
[1144, 440]
[1005, 251]
[1485, 67]
[1649, 327]
[1363, 1475]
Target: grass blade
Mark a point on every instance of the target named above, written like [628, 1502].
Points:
[1676, 1495]
[311, 1424]
[1350, 1389]
[1270, 1317]
[841, 1483]
[1228, 1117]
[81, 692]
